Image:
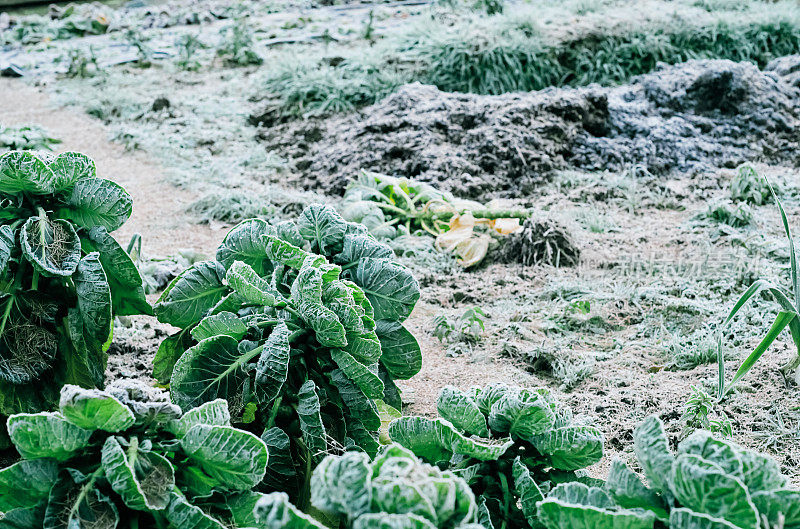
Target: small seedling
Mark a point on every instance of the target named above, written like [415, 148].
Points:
[80, 64]
[699, 413]
[188, 46]
[138, 41]
[236, 48]
[469, 328]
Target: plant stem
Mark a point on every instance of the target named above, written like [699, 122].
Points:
[478, 214]
[273, 414]
[399, 211]
[267, 323]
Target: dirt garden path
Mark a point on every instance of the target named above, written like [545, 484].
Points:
[158, 213]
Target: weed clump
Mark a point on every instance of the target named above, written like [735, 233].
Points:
[228, 206]
[734, 215]
[541, 241]
[314, 89]
[748, 187]
[237, 46]
[27, 138]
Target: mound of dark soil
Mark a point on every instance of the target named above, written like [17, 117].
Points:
[681, 119]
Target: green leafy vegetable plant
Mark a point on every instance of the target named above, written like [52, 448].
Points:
[708, 484]
[305, 350]
[510, 444]
[395, 490]
[62, 276]
[389, 206]
[114, 458]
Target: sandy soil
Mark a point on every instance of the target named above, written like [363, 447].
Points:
[158, 213]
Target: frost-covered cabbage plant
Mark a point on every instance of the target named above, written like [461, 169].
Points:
[510, 444]
[305, 350]
[709, 484]
[394, 491]
[62, 276]
[115, 458]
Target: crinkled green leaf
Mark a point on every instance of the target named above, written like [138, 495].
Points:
[169, 351]
[241, 506]
[245, 242]
[281, 474]
[212, 369]
[391, 288]
[775, 504]
[93, 409]
[94, 298]
[393, 521]
[218, 324]
[29, 518]
[284, 252]
[368, 381]
[194, 482]
[359, 435]
[391, 393]
[45, 434]
[230, 302]
[144, 480]
[364, 347]
[127, 292]
[273, 363]
[486, 396]
[51, 246]
[341, 484]
[22, 171]
[210, 413]
[25, 483]
[6, 247]
[402, 497]
[190, 295]
[686, 519]
[327, 329]
[275, 511]
[400, 352]
[571, 447]
[251, 287]
[308, 411]
[27, 397]
[577, 506]
[629, 492]
[235, 458]
[652, 451]
[69, 167]
[358, 404]
[436, 440]
[703, 486]
[462, 411]
[702, 443]
[323, 227]
[76, 503]
[183, 515]
[522, 414]
[357, 247]
[760, 472]
[97, 202]
[527, 490]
